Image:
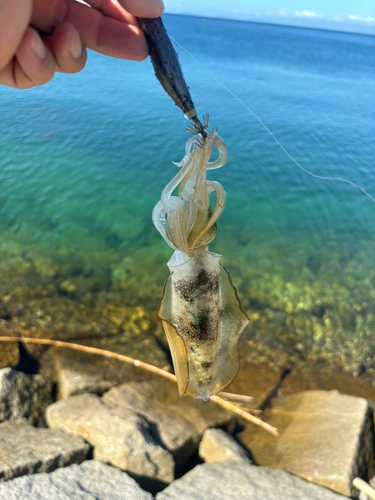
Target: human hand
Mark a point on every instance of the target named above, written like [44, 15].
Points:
[108, 26]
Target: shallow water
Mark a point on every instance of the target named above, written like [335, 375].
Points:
[84, 159]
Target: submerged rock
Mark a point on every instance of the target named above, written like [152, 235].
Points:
[76, 375]
[308, 376]
[9, 354]
[119, 436]
[88, 481]
[74, 380]
[324, 437]
[23, 396]
[255, 379]
[177, 424]
[241, 479]
[27, 450]
[218, 446]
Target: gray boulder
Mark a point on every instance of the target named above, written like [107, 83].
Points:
[25, 449]
[72, 381]
[218, 446]
[77, 376]
[91, 480]
[23, 395]
[177, 424]
[325, 437]
[119, 436]
[240, 479]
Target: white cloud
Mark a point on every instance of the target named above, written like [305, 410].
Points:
[312, 15]
[367, 20]
[306, 13]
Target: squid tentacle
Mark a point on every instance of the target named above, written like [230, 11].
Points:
[193, 190]
[221, 199]
[158, 218]
[223, 155]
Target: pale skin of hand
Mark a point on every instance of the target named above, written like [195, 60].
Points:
[28, 59]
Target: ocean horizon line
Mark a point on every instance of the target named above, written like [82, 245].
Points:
[250, 21]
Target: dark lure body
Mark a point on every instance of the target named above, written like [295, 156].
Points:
[167, 67]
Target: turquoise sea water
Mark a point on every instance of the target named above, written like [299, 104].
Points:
[83, 160]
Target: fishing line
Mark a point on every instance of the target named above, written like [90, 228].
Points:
[270, 133]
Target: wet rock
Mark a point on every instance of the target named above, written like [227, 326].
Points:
[8, 351]
[79, 372]
[313, 263]
[177, 424]
[74, 378]
[241, 479]
[72, 381]
[324, 437]
[27, 450]
[88, 481]
[119, 436]
[23, 396]
[218, 446]
[257, 380]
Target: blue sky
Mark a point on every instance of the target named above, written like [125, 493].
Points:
[356, 16]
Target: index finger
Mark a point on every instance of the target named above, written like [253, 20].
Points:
[113, 9]
[14, 19]
[127, 10]
[104, 33]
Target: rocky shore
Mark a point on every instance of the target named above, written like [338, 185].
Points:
[94, 436]
[312, 305]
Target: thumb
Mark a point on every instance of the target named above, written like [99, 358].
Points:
[14, 19]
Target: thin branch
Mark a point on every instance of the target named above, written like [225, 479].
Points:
[139, 364]
[253, 411]
[244, 414]
[240, 401]
[237, 398]
[361, 485]
[93, 350]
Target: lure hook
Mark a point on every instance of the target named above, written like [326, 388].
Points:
[197, 127]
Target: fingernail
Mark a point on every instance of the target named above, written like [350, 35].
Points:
[76, 46]
[159, 4]
[38, 46]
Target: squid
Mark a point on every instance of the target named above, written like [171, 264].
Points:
[200, 309]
